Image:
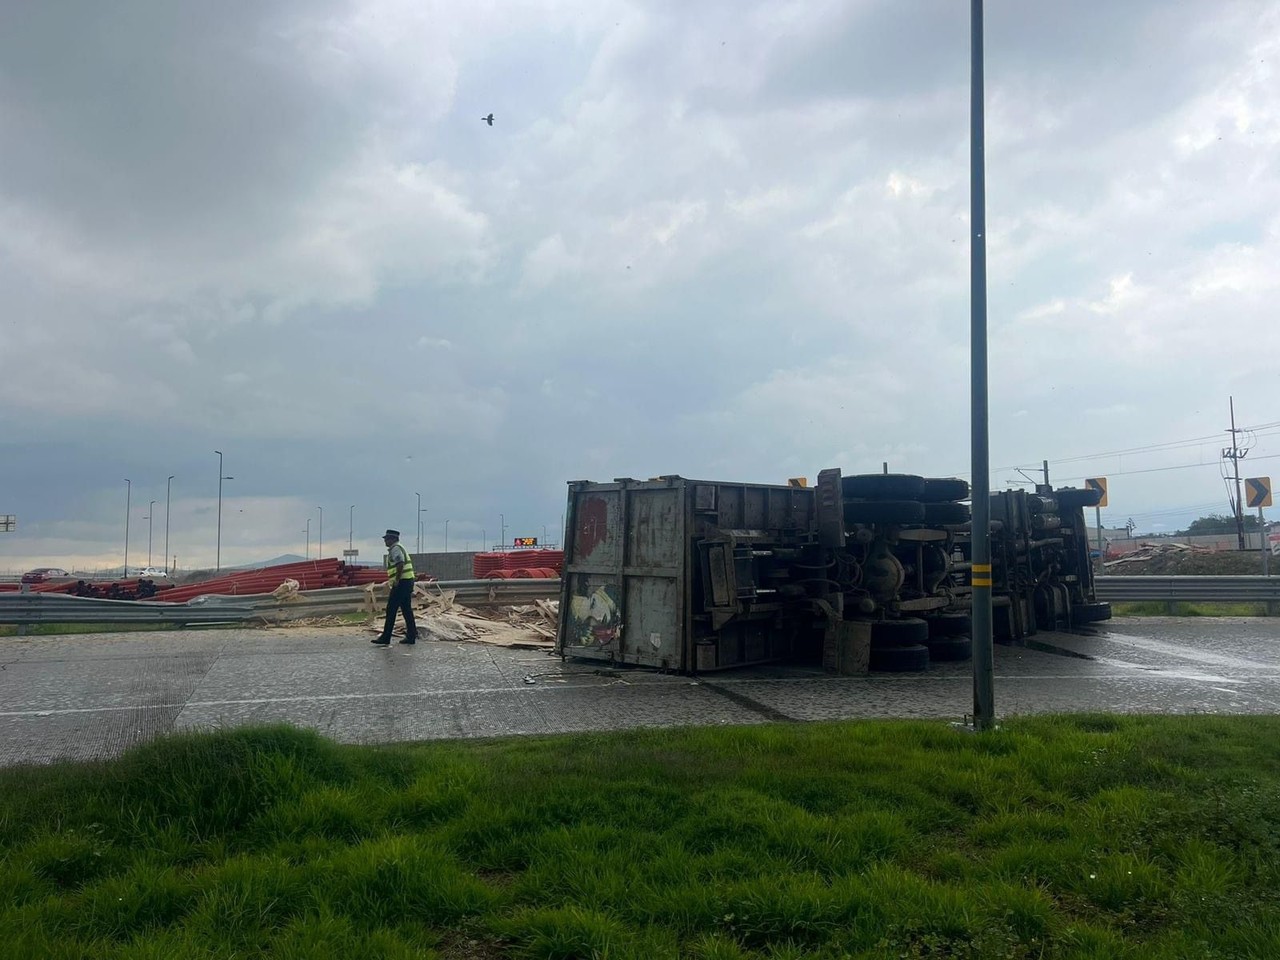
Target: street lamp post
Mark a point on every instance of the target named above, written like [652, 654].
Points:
[320, 547]
[351, 525]
[484, 540]
[446, 536]
[420, 513]
[168, 496]
[151, 509]
[128, 497]
[503, 538]
[217, 563]
[308, 533]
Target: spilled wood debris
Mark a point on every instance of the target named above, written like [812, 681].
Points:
[439, 616]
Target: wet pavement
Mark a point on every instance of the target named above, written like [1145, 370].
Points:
[92, 696]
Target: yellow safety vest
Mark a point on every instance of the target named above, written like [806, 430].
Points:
[391, 567]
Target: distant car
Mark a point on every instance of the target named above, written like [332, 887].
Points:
[152, 573]
[41, 574]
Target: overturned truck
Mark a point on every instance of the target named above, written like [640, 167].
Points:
[868, 571]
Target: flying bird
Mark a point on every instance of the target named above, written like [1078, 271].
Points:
[488, 119]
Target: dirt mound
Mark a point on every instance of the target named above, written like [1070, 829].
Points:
[1179, 560]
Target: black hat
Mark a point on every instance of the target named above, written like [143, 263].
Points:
[391, 533]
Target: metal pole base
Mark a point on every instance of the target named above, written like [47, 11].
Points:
[968, 726]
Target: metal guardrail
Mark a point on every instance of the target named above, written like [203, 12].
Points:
[1220, 589]
[34, 608]
[38, 608]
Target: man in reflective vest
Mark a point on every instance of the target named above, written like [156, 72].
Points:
[400, 579]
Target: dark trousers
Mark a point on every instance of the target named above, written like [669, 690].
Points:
[401, 599]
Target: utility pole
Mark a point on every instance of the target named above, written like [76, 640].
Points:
[984, 706]
[1235, 454]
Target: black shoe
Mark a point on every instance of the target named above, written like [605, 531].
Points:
[381, 641]
[409, 640]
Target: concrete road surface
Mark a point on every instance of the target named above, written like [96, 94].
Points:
[92, 696]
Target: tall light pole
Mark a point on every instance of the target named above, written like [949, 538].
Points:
[168, 496]
[151, 509]
[308, 533]
[446, 536]
[217, 563]
[544, 534]
[128, 497]
[420, 513]
[320, 548]
[351, 525]
[503, 539]
[484, 540]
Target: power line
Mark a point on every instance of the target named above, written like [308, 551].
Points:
[1171, 511]
[1181, 466]
[1153, 447]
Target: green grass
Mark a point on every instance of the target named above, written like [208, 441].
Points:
[1080, 837]
[1182, 608]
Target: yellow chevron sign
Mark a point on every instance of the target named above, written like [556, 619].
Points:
[1099, 484]
[1257, 491]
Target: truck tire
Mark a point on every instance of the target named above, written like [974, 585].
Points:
[883, 511]
[909, 659]
[946, 513]
[952, 648]
[950, 625]
[883, 486]
[908, 631]
[1090, 612]
[1071, 498]
[944, 490]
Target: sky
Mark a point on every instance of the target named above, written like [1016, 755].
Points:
[727, 240]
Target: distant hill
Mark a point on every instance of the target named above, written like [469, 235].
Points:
[204, 573]
[273, 562]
